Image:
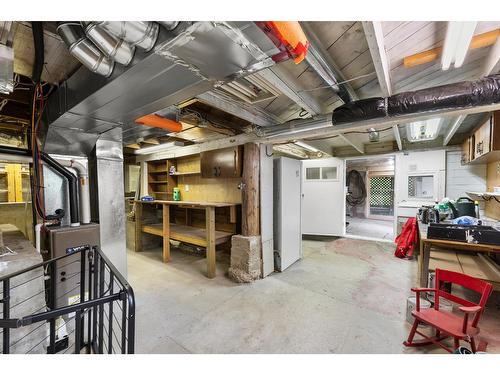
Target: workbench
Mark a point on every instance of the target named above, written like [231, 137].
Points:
[207, 237]
[425, 245]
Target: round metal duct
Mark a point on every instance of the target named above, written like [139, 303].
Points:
[112, 47]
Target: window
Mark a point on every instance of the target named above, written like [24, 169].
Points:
[313, 173]
[382, 195]
[321, 173]
[329, 173]
[421, 187]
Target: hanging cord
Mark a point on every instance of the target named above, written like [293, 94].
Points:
[356, 188]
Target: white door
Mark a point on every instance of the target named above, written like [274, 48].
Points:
[323, 196]
[288, 234]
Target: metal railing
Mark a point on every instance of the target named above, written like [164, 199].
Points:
[95, 316]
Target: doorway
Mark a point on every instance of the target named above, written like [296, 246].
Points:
[370, 198]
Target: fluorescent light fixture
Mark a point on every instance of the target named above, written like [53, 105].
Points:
[157, 148]
[306, 146]
[456, 43]
[426, 130]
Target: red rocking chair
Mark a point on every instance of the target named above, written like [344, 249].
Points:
[447, 324]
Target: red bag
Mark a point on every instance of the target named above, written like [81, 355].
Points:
[406, 241]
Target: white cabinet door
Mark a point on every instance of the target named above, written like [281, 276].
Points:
[323, 196]
[287, 206]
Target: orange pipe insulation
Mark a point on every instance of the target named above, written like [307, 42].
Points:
[479, 41]
[157, 121]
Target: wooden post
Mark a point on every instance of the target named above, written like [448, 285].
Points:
[250, 225]
[138, 226]
[166, 233]
[210, 228]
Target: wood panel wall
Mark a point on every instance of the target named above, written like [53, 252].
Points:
[206, 189]
[492, 180]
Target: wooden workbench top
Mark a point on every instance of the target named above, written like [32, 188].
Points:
[188, 203]
[457, 244]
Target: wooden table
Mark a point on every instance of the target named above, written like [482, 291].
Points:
[207, 237]
[425, 249]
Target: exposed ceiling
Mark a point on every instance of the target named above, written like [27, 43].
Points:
[290, 91]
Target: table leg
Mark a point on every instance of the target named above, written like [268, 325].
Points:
[424, 278]
[210, 227]
[138, 227]
[166, 233]
[420, 261]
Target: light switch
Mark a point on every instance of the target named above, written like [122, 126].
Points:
[186, 187]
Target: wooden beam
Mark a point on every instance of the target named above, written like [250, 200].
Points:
[356, 143]
[250, 225]
[166, 233]
[138, 226]
[151, 141]
[397, 135]
[210, 232]
[454, 125]
[492, 62]
[375, 38]
[133, 146]
[479, 41]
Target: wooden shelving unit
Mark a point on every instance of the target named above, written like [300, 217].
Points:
[160, 182]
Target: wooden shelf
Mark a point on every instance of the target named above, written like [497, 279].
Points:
[187, 234]
[158, 182]
[186, 173]
[158, 172]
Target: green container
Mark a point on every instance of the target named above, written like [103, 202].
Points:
[177, 194]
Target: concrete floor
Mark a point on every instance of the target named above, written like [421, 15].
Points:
[344, 296]
[380, 229]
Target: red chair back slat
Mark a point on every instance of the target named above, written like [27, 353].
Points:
[466, 281]
[469, 282]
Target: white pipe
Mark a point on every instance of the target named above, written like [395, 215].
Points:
[38, 229]
[83, 178]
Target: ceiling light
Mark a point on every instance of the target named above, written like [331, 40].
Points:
[456, 43]
[306, 146]
[426, 130]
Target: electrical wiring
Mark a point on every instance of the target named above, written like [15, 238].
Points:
[356, 188]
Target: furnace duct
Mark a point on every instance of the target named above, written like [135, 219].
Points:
[114, 48]
[137, 33]
[84, 50]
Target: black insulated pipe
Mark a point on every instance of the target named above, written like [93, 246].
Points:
[70, 177]
[455, 95]
[37, 30]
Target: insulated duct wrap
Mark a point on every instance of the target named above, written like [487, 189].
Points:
[456, 95]
[359, 110]
[462, 94]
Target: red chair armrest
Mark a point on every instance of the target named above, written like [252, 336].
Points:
[470, 309]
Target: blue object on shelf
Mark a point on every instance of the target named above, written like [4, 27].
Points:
[147, 198]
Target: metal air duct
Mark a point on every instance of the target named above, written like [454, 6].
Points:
[84, 50]
[138, 33]
[169, 25]
[114, 48]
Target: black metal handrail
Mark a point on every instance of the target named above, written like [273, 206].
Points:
[105, 307]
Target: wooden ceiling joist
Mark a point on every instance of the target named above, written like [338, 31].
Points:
[375, 38]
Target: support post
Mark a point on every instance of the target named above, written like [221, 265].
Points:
[210, 229]
[250, 225]
[166, 233]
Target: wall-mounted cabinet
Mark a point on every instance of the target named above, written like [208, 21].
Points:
[227, 162]
[483, 145]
